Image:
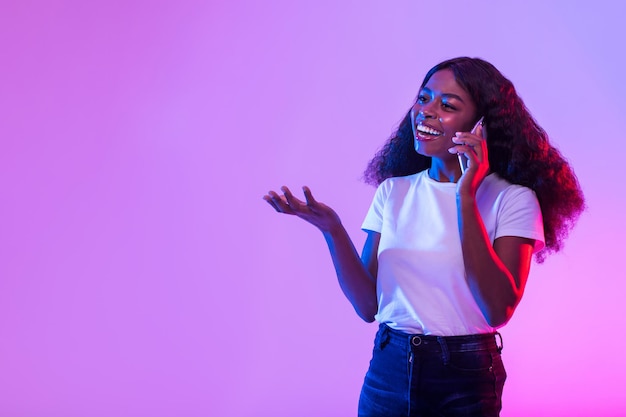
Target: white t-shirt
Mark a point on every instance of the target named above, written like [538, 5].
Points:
[421, 284]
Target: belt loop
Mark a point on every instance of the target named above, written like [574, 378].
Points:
[383, 337]
[445, 355]
[500, 345]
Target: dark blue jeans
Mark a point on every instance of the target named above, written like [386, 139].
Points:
[416, 375]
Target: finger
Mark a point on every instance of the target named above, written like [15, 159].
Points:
[465, 138]
[279, 203]
[476, 155]
[293, 202]
[465, 142]
[462, 149]
[469, 144]
[480, 131]
[269, 201]
[310, 201]
[275, 201]
[285, 189]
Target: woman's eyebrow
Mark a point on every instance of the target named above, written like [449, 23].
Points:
[454, 96]
[443, 95]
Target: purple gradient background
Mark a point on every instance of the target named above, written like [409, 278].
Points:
[141, 273]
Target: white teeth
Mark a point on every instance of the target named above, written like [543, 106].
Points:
[428, 130]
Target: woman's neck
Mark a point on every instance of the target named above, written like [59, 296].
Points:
[444, 171]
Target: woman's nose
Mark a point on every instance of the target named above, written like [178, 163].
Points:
[424, 111]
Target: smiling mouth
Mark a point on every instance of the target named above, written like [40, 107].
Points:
[423, 132]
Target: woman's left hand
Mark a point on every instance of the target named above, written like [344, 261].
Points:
[473, 145]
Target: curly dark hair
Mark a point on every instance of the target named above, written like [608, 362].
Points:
[519, 149]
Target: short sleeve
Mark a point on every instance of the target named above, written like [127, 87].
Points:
[520, 215]
[374, 217]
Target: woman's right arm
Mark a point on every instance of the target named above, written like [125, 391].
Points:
[356, 275]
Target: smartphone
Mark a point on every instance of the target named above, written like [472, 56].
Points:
[461, 157]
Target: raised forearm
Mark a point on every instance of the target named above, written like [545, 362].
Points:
[356, 282]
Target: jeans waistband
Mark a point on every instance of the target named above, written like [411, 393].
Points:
[423, 343]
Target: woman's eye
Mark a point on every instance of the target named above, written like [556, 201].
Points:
[448, 106]
[422, 99]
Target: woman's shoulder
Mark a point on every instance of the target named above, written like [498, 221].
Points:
[498, 186]
[494, 180]
[411, 178]
[399, 185]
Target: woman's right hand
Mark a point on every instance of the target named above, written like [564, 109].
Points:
[356, 281]
[314, 212]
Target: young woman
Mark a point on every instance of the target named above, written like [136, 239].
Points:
[469, 188]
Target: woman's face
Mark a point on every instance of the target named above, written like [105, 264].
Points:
[443, 108]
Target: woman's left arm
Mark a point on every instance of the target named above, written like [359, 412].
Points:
[496, 274]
